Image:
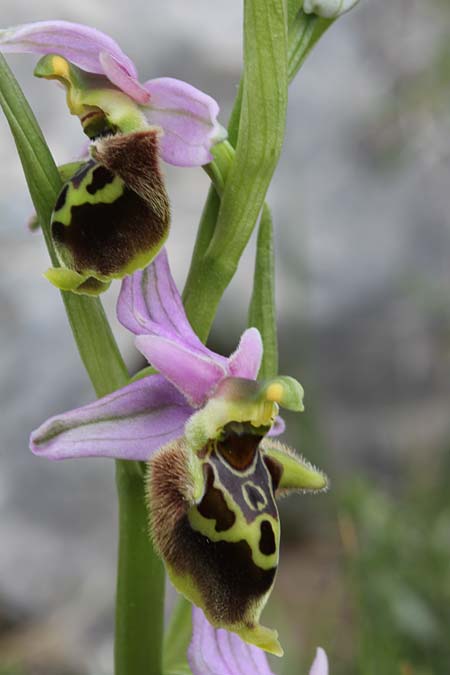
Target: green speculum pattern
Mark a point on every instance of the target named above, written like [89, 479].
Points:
[214, 516]
[223, 550]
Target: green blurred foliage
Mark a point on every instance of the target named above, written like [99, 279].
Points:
[398, 572]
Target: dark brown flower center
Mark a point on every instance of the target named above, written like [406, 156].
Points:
[239, 450]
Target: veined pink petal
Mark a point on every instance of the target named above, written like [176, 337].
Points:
[189, 119]
[150, 304]
[246, 360]
[130, 423]
[76, 42]
[192, 373]
[320, 664]
[218, 652]
[118, 75]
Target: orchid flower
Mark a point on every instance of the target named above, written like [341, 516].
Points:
[112, 215]
[218, 652]
[204, 423]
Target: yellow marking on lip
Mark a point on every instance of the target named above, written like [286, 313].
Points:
[61, 67]
[274, 392]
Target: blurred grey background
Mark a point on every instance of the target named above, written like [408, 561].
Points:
[360, 203]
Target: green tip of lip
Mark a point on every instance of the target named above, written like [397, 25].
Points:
[69, 280]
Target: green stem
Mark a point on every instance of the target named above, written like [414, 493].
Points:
[140, 581]
[140, 584]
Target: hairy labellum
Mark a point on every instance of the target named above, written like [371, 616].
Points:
[112, 216]
[215, 523]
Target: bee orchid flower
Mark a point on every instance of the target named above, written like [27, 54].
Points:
[206, 426]
[112, 215]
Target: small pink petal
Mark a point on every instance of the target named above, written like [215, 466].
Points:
[119, 76]
[320, 663]
[246, 360]
[150, 304]
[76, 42]
[130, 423]
[278, 427]
[218, 652]
[189, 119]
[192, 373]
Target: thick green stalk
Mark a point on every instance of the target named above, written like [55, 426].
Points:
[140, 585]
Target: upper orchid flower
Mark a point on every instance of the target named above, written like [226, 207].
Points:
[100, 78]
[218, 652]
[214, 478]
[112, 215]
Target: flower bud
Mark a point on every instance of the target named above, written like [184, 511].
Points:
[328, 9]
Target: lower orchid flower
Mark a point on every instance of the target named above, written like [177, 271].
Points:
[204, 423]
[112, 215]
